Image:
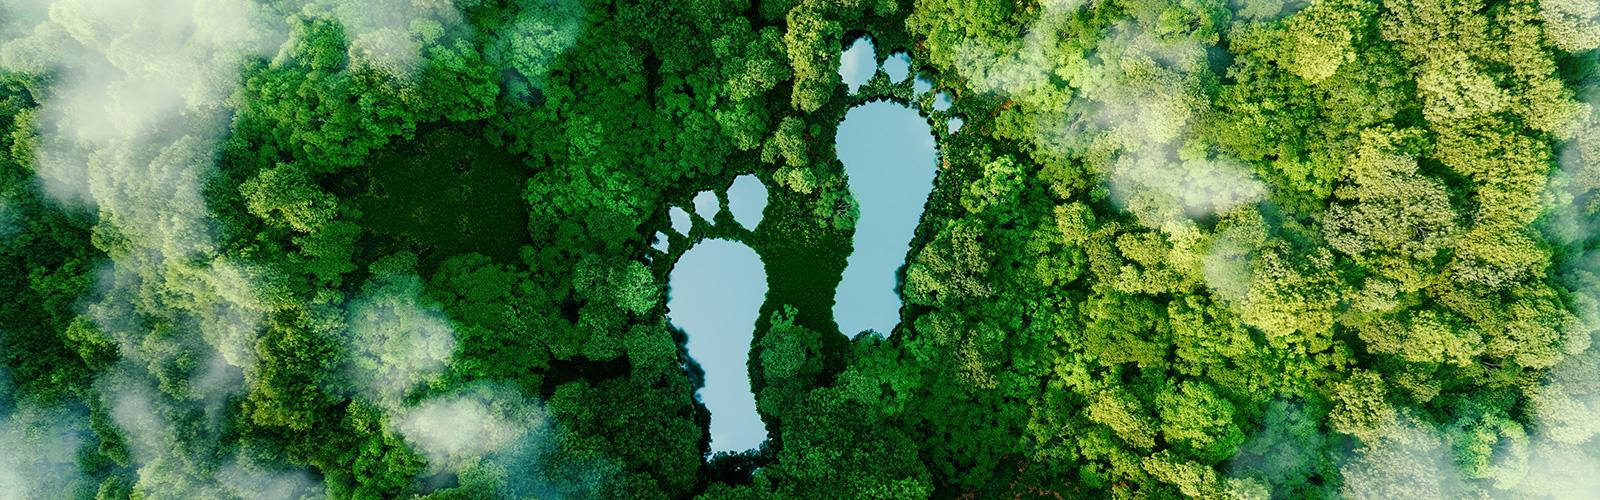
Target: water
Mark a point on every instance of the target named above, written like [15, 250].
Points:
[661, 243]
[898, 66]
[747, 198]
[888, 153]
[857, 64]
[716, 292]
[680, 220]
[718, 286]
[706, 205]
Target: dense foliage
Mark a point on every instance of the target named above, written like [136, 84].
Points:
[1259, 249]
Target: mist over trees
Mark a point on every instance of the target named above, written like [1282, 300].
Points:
[1177, 248]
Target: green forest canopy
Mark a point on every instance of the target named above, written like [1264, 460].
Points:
[1251, 249]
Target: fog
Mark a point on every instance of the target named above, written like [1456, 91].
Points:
[41, 450]
[141, 94]
[397, 339]
[389, 35]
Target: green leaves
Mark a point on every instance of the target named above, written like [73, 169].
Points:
[1360, 407]
[997, 191]
[1320, 38]
[533, 40]
[1179, 248]
[1199, 423]
[790, 362]
[1122, 328]
[951, 269]
[286, 195]
[627, 286]
[813, 42]
[1126, 417]
[1573, 25]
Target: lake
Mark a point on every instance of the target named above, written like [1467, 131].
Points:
[889, 156]
[716, 292]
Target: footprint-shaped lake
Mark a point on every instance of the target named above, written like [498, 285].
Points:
[717, 290]
[718, 286]
[715, 294]
[888, 154]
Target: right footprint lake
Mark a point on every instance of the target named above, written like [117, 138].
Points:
[889, 156]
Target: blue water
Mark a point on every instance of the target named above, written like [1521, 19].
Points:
[898, 66]
[706, 205]
[680, 220]
[660, 242]
[857, 64]
[747, 198]
[716, 292]
[888, 154]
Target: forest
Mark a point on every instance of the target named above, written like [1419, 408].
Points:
[1245, 249]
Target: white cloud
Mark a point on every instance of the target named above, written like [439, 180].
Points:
[390, 34]
[451, 430]
[141, 94]
[140, 97]
[40, 451]
[397, 340]
[1407, 460]
[145, 418]
[494, 435]
[1137, 99]
[246, 479]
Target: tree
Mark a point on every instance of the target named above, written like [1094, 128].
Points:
[1574, 26]
[286, 195]
[1198, 422]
